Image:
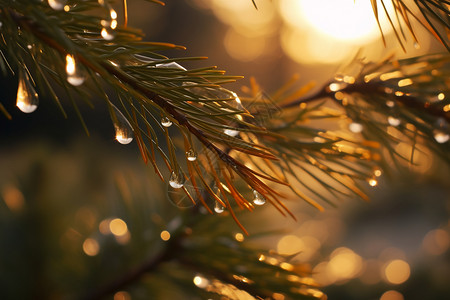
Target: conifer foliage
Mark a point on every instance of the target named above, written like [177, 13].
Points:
[221, 152]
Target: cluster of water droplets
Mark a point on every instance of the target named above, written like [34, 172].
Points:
[109, 25]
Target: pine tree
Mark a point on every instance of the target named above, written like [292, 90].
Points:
[215, 149]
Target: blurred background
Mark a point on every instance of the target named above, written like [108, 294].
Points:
[394, 247]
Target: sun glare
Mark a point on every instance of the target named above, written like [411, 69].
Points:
[346, 20]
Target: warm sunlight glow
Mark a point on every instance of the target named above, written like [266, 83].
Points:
[335, 18]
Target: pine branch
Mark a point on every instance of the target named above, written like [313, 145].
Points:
[224, 140]
[152, 93]
[433, 16]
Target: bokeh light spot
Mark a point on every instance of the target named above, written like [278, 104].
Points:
[436, 242]
[118, 227]
[243, 48]
[165, 235]
[397, 271]
[91, 247]
[122, 295]
[391, 295]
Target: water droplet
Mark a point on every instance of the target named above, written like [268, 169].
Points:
[356, 127]
[107, 33]
[238, 102]
[393, 121]
[390, 103]
[373, 182]
[339, 77]
[113, 14]
[388, 90]
[27, 98]
[440, 136]
[184, 197]
[176, 180]
[191, 155]
[165, 121]
[124, 131]
[335, 86]
[377, 172]
[231, 132]
[218, 207]
[201, 281]
[57, 4]
[74, 74]
[259, 199]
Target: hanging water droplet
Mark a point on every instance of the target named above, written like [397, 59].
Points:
[259, 198]
[441, 133]
[74, 74]
[355, 127]
[393, 121]
[57, 4]
[373, 182]
[123, 135]
[335, 86]
[238, 102]
[107, 33]
[390, 103]
[184, 197]
[165, 121]
[191, 155]
[231, 132]
[124, 131]
[339, 77]
[377, 172]
[112, 14]
[218, 207]
[440, 136]
[27, 98]
[176, 180]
